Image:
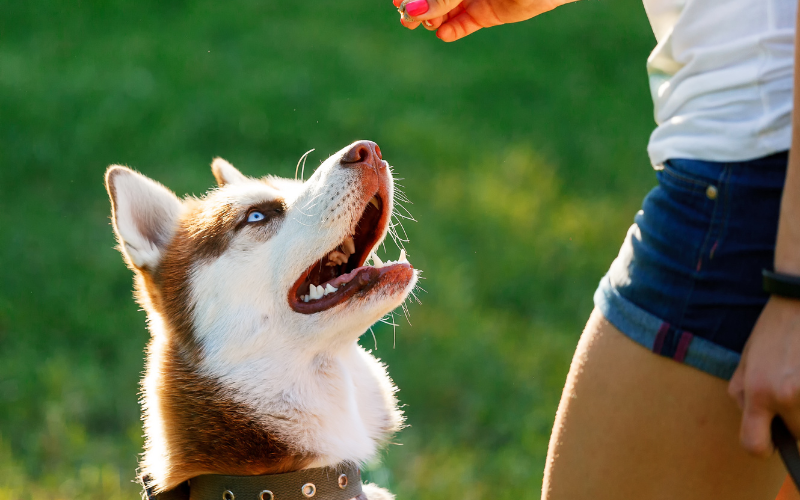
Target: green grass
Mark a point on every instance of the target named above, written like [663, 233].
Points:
[522, 148]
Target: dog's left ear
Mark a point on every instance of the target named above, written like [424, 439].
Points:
[225, 173]
[145, 215]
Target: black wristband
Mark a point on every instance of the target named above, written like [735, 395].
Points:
[784, 285]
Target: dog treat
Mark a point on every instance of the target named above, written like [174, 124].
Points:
[403, 13]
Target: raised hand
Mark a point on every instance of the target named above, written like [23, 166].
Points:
[454, 19]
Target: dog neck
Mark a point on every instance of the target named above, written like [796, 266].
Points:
[267, 412]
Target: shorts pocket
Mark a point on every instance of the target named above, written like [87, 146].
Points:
[672, 177]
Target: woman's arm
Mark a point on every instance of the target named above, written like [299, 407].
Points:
[767, 381]
[454, 19]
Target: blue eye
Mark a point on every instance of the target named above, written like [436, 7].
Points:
[255, 216]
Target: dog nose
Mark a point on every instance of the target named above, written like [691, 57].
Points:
[363, 152]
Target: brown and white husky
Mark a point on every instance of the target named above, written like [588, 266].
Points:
[256, 295]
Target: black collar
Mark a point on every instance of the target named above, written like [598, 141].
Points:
[342, 482]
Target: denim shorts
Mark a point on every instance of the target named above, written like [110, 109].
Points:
[687, 281]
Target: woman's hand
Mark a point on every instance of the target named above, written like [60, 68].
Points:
[454, 19]
[767, 381]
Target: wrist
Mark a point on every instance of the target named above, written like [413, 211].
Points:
[787, 263]
[780, 284]
[787, 258]
[786, 309]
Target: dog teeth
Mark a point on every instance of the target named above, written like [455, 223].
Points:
[315, 292]
[349, 246]
[338, 257]
[375, 203]
[378, 263]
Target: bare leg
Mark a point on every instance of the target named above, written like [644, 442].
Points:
[634, 425]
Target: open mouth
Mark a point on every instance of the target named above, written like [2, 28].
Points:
[341, 273]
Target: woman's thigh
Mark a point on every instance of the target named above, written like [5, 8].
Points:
[634, 425]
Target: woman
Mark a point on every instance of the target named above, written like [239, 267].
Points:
[682, 331]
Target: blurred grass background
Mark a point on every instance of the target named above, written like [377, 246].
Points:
[522, 149]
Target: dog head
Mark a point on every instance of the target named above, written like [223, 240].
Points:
[261, 288]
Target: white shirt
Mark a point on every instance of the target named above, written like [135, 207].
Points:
[721, 78]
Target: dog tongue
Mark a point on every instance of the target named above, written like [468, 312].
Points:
[344, 278]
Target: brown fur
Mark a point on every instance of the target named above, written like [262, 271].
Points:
[201, 426]
[205, 430]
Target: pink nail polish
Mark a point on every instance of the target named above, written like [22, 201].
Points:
[417, 8]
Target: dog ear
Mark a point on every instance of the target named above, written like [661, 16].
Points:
[225, 173]
[145, 215]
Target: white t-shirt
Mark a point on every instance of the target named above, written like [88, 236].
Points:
[721, 78]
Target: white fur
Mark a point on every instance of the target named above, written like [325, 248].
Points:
[307, 370]
[374, 492]
[225, 173]
[145, 214]
[303, 375]
[156, 457]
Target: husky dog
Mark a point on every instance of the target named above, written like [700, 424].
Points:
[256, 295]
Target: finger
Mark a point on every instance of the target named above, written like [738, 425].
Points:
[736, 387]
[432, 24]
[787, 398]
[458, 27]
[429, 9]
[412, 25]
[755, 434]
[792, 421]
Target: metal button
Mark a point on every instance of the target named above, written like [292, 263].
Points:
[228, 495]
[309, 490]
[343, 481]
[266, 495]
[711, 192]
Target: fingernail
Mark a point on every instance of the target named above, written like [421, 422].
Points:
[397, 2]
[428, 24]
[417, 8]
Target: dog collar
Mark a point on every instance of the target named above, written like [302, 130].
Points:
[321, 483]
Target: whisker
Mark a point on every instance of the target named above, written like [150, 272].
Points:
[400, 205]
[406, 217]
[303, 159]
[405, 312]
[394, 333]
[303, 224]
[307, 215]
[314, 198]
[395, 234]
[404, 230]
[386, 321]
[397, 240]
[374, 340]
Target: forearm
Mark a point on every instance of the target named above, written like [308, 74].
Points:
[787, 249]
